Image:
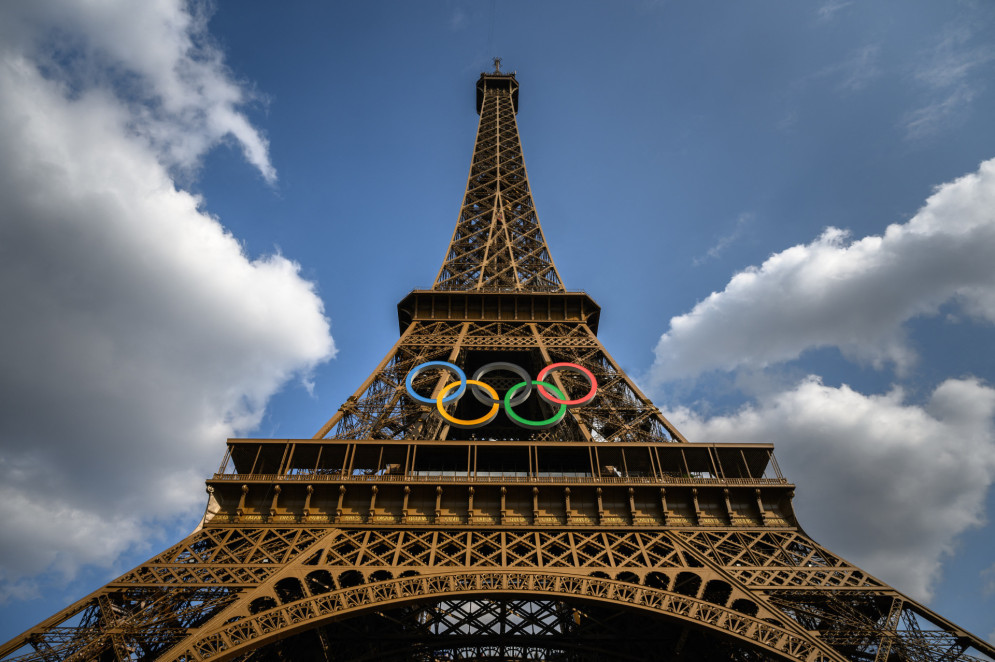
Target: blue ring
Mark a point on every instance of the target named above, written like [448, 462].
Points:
[409, 382]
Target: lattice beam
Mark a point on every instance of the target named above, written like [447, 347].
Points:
[498, 244]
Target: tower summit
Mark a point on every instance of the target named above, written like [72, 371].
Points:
[497, 489]
[498, 243]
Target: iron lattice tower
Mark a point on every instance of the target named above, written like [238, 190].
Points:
[394, 534]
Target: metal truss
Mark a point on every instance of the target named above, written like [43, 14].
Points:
[482, 594]
[392, 536]
[499, 628]
[382, 409]
[498, 243]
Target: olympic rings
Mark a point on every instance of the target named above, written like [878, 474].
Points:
[477, 422]
[572, 367]
[445, 365]
[526, 423]
[511, 367]
[515, 396]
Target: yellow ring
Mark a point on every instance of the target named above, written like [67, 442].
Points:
[486, 418]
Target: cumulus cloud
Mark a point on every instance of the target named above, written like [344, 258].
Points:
[137, 334]
[853, 295]
[159, 61]
[881, 482]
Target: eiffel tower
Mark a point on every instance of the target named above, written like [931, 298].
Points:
[560, 518]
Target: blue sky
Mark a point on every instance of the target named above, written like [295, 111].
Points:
[786, 211]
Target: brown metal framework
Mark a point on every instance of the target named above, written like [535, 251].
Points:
[498, 244]
[391, 535]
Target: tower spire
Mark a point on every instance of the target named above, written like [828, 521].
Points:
[498, 244]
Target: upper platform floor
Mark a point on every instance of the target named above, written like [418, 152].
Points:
[446, 305]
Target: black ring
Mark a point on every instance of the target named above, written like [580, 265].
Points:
[485, 399]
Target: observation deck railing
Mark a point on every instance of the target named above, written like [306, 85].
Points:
[464, 478]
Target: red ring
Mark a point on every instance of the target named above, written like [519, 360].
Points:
[570, 403]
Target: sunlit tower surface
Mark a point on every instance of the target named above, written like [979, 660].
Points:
[497, 489]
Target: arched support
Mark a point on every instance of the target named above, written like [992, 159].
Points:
[282, 621]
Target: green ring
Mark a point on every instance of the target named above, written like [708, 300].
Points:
[526, 423]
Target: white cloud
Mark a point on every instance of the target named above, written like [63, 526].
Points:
[137, 335]
[851, 74]
[158, 59]
[727, 240]
[854, 295]
[857, 72]
[883, 483]
[953, 59]
[949, 74]
[827, 12]
[928, 119]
